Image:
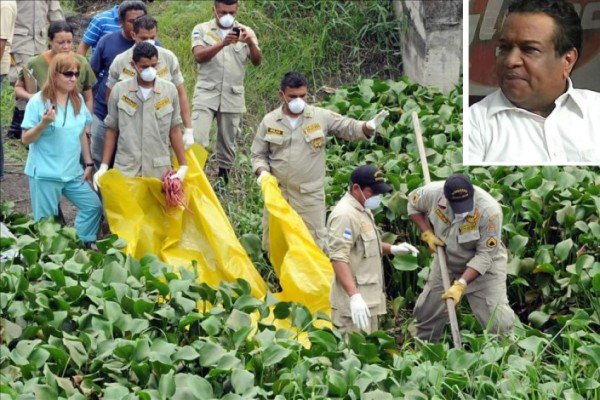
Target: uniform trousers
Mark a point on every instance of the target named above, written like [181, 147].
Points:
[45, 198]
[98, 133]
[344, 323]
[228, 130]
[489, 305]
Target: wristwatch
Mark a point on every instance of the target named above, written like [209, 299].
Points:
[462, 281]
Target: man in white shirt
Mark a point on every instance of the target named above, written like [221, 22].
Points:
[536, 117]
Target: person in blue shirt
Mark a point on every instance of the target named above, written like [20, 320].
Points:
[102, 24]
[108, 48]
[53, 128]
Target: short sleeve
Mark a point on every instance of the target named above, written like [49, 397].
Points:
[197, 33]
[340, 237]
[33, 112]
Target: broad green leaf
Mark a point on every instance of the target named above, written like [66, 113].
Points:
[274, 353]
[538, 318]
[166, 385]
[563, 248]
[186, 353]
[210, 353]
[112, 311]
[45, 392]
[242, 380]
[113, 272]
[532, 344]
[247, 303]
[337, 384]
[459, 359]
[212, 325]
[405, 262]
[592, 352]
[115, 391]
[323, 338]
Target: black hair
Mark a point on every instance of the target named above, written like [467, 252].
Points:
[568, 32]
[129, 5]
[144, 49]
[293, 80]
[59, 26]
[146, 22]
[226, 2]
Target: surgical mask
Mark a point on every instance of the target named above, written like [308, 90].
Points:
[226, 21]
[372, 202]
[151, 41]
[296, 106]
[148, 74]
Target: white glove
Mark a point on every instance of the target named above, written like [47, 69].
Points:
[360, 312]
[377, 120]
[101, 171]
[188, 137]
[180, 174]
[262, 175]
[404, 248]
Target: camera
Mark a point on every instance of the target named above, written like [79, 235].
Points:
[236, 30]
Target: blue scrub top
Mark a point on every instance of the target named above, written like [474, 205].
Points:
[55, 155]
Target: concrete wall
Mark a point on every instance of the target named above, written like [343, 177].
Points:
[432, 46]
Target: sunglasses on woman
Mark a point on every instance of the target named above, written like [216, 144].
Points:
[70, 74]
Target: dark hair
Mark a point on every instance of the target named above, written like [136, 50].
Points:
[293, 80]
[226, 2]
[568, 32]
[59, 26]
[130, 5]
[144, 49]
[146, 22]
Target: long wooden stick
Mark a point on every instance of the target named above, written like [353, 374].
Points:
[440, 250]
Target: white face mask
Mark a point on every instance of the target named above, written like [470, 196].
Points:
[296, 106]
[148, 74]
[372, 202]
[151, 41]
[226, 21]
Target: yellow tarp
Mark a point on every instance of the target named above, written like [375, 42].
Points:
[136, 211]
[304, 271]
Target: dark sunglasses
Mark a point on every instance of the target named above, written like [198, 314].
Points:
[70, 74]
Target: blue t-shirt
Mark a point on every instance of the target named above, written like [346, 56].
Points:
[55, 155]
[102, 24]
[109, 47]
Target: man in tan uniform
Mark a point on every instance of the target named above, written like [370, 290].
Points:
[221, 48]
[143, 114]
[8, 16]
[144, 30]
[468, 222]
[355, 250]
[29, 40]
[290, 144]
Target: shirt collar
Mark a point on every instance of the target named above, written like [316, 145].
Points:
[500, 103]
[355, 203]
[308, 112]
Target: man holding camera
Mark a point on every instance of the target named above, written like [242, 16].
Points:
[221, 48]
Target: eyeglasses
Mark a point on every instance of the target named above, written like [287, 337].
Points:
[70, 74]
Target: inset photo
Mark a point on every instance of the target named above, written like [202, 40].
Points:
[533, 83]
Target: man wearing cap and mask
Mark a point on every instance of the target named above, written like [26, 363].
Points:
[290, 144]
[355, 250]
[468, 222]
[221, 47]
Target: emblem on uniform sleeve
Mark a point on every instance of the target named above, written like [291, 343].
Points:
[163, 71]
[347, 234]
[416, 195]
[491, 242]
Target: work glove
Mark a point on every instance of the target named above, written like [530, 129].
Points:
[455, 292]
[180, 174]
[432, 240]
[404, 248]
[360, 312]
[101, 171]
[377, 120]
[262, 175]
[188, 137]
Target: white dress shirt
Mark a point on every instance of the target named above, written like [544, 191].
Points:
[499, 133]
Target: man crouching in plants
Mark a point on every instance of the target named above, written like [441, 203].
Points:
[355, 250]
[468, 222]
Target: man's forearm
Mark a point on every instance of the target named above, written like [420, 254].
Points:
[343, 274]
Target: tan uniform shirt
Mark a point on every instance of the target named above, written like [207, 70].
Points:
[296, 156]
[473, 242]
[143, 126]
[167, 68]
[8, 16]
[220, 81]
[352, 237]
[32, 25]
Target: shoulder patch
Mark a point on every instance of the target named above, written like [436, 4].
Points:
[130, 102]
[162, 103]
[347, 234]
[274, 131]
[491, 242]
[163, 71]
[416, 195]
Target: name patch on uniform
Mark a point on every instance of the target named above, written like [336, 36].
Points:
[129, 101]
[440, 214]
[312, 128]
[491, 242]
[366, 228]
[347, 234]
[128, 72]
[162, 103]
[274, 131]
[162, 72]
[466, 228]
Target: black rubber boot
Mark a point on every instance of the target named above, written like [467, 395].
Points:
[224, 175]
[15, 130]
